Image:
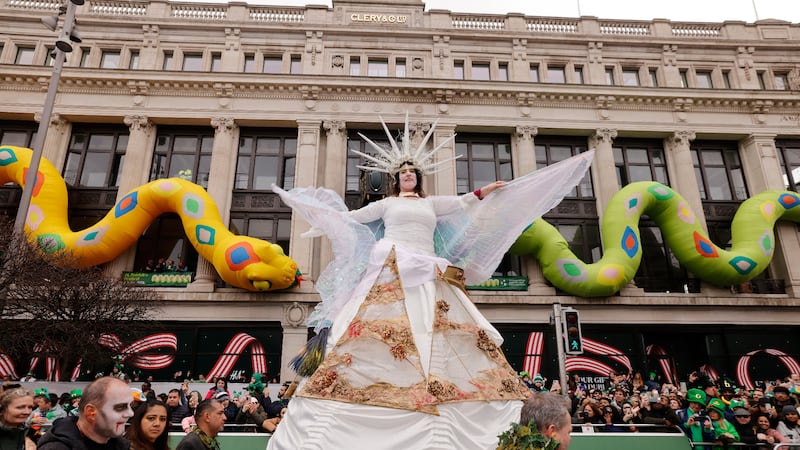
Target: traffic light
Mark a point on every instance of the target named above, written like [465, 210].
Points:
[572, 332]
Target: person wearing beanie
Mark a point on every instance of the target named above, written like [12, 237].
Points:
[742, 422]
[538, 384]
[788, 426]
[724, 432]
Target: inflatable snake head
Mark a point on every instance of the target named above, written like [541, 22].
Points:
[255, 265]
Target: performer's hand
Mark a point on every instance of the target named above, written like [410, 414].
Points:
[489, 188]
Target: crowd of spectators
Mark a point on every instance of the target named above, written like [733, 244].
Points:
[180, 409]
[714, 412]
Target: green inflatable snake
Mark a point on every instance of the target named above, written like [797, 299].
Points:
[753, 240]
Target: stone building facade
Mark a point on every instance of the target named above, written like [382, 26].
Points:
[243, 95]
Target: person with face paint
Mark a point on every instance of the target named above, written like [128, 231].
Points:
[104, 410]
[16, 405]
[149, 428]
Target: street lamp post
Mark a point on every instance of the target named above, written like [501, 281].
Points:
[63, 46]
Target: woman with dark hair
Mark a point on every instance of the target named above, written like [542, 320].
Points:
[219, 385]
[410, 362]
[16, 405]
[149, 429]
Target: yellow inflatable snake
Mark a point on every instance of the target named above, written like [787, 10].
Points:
[241, 261]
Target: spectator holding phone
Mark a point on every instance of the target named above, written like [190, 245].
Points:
[693, 422]
[765, 434]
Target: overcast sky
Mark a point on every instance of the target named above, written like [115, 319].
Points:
[679, 10]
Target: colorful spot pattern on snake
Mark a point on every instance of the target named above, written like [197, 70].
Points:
[205, 234]
[193, 206]
[767, 243]
[7, 157]
[788, 200]
[743, 264]
[240, 256]
[630, 242]
[661, 192]
[126, 204]
[572, 269]
[611, 274]
[705, 247]
[685, 213]
[634, 203]
[92, 237]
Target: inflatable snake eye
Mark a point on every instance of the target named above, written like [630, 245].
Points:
[241, 261]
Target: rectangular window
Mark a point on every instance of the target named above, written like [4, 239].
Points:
[653, 77]
[502, 72]
[355, 66]
[630, 77]
[95, 158]
[295, 65]
[85, 52]
[703, 80]
[50, 59]
[400, 68]
[480, 71]
[610, 76]
[168, 57]
[378, 68]
[249, 63]
[216, 62]
[25, 55]
[133, 64]
[684, 78]
[109, 59]
[780, 81]
[273, 64]
[192, 62]
[555, 74]
[266, 158]
[578, 75]
[458, 70]
[761, 83]
[726, 79]
[534, 71]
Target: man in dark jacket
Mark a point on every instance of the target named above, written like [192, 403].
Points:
[104, 411]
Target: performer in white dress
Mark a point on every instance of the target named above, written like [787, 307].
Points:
[410, 361]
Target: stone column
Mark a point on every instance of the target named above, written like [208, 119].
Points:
[135, 172]
[335, 173]
[220, 188]
[681, 171]
[54, 148]
[443, 182]
[523, 158]
[763, 172]
[603, 168]
[307, 173]
[335, 155]
[523, 152]
[295, 335]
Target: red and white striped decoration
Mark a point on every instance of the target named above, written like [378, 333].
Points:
[666, 364]
[533, 353]
[7, 367]
[52, 369]
[742, 367]
[588, 364]
[710, 371]
[599, 348]
[231, 354]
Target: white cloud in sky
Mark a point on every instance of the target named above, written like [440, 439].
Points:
[676, 10]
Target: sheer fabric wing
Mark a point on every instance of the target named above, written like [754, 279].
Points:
[476, 238]
[351, 241]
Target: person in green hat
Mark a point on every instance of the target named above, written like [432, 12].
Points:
[696, 425]
[724, 432]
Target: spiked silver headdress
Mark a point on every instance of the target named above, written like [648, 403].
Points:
[389, 160]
